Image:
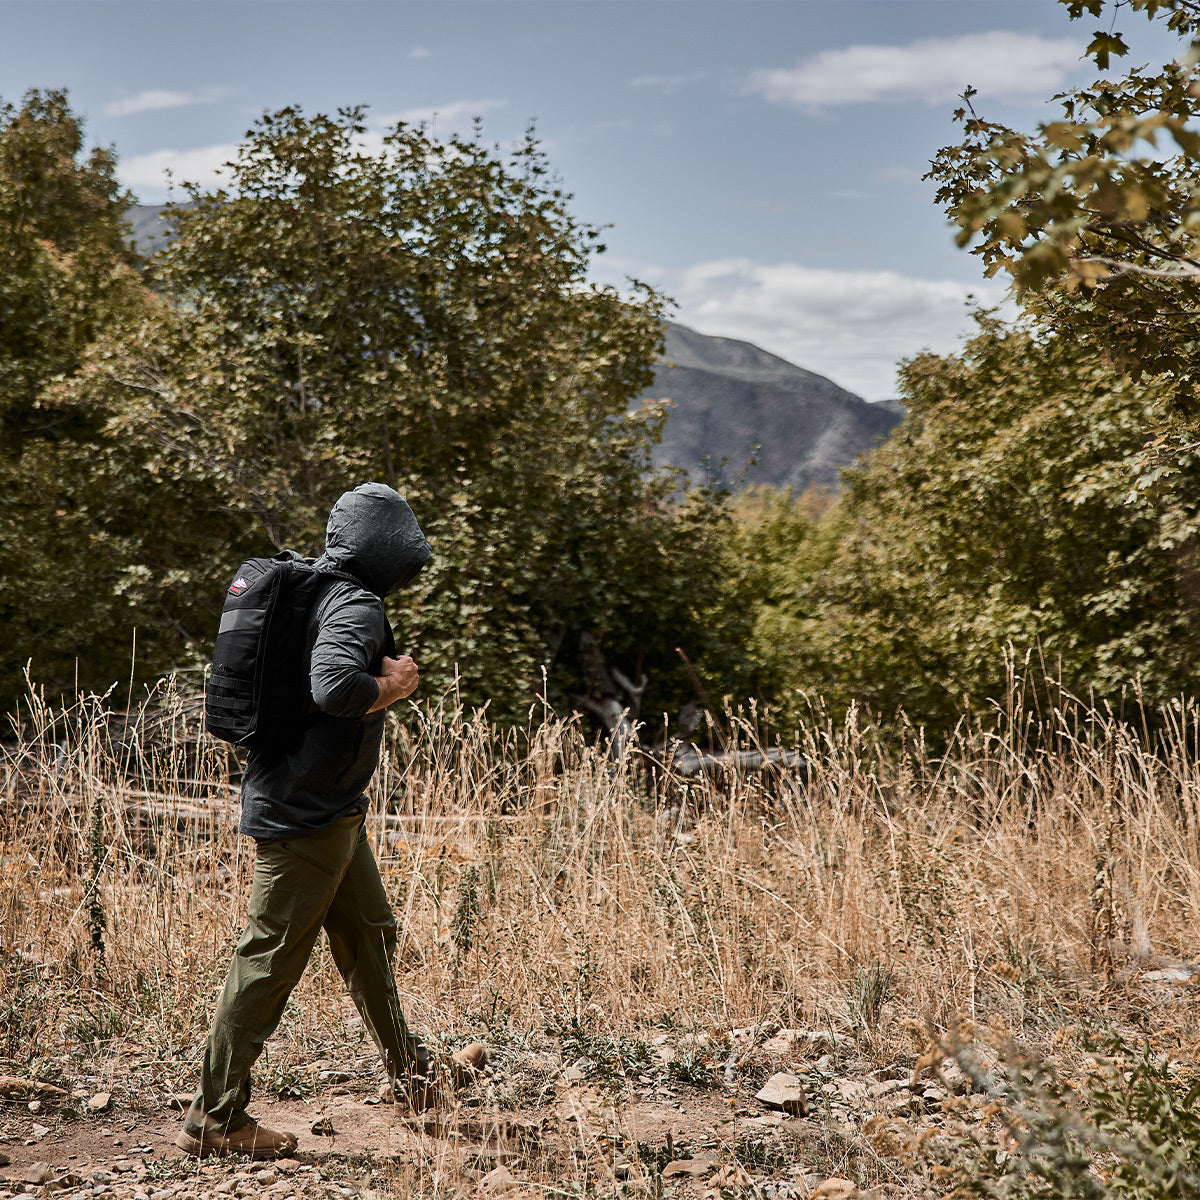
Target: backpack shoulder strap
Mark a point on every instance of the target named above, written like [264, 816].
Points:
[333, 574]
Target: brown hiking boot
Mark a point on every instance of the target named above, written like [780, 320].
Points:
[465, 1064]
[429, 1093]
[420, 1093]
[251, 1140]
[434, 1087]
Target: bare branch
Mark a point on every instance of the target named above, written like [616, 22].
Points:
[1185, 270]
[634, 693]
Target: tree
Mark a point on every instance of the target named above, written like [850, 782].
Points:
[1095, 215]
[67, 266]
[778, 543]
[95, 545]
[1003, 514]
[418, 312]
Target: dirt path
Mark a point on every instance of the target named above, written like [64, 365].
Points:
[640, 1135]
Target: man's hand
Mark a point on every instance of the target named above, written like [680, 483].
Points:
[399, 678]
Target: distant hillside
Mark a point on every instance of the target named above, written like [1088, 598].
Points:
[730, 396]
[150, 230]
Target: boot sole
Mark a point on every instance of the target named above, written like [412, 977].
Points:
[199, 1147]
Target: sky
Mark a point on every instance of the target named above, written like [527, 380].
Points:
[758, 161]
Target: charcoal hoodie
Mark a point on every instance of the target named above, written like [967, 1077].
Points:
[373, 546]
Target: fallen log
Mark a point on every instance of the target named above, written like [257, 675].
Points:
[615, 702]
[687, 760]
[13, 1087]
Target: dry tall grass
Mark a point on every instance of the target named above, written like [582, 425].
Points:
[1014, 879]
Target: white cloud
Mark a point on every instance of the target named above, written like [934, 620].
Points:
[612, 125]
[899, 175]
[146, 174]
[444, 118]
[852, 326]
[667, 83]
[420, 52]
[156, 101]
[1001, 65]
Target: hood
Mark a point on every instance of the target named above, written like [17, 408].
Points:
[373, 535]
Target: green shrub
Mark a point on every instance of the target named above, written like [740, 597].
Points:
[1127, 1126]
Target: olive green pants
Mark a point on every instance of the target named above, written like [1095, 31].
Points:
[329, 880]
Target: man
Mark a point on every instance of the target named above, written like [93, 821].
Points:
[314, 867]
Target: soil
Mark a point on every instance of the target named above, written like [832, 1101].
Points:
[527, 1129]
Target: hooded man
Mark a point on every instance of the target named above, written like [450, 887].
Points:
[314, 867]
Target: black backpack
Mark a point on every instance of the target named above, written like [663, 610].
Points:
[258, 693]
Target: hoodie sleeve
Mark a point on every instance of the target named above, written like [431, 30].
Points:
[351, 634]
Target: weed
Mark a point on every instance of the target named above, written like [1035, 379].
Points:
[691, 1065]
[656, 1157]
[759, 1156]
[288, 1082]
[1023, 956]
[1125, 1128]
[98, 1024]
[924, 871]
[609, 1056]
[869, 989]
[466, 911]
[93, 904]
[31, 1008]
[496, 1013]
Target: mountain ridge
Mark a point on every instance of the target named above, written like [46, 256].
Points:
[741, 416]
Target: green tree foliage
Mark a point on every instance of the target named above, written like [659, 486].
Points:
[1095, 215]
[778, 543]
[1043, 489]
[66, 266]
[418, 312]
[91, 542]
[1003, 512]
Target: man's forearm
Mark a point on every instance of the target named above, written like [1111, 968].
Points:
[389, 693]
[398, 678]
